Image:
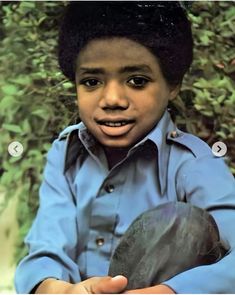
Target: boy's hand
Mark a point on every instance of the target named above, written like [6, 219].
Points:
[158, 289]
[95, 285]
[104, 285]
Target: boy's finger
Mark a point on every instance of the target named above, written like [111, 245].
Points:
[110, 285]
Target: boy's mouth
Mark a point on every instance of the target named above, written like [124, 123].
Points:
[115, 127]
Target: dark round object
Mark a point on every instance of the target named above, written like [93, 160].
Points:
[165, 241]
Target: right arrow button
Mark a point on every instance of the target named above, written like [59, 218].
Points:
[219, 149]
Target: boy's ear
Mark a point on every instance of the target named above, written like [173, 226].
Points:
[174, 91]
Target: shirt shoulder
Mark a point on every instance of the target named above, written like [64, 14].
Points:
[190, 142]
[67, 147]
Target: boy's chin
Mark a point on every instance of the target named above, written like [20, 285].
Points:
[117, 144]
[122, 142]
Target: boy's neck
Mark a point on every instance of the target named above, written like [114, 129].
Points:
[115, 155]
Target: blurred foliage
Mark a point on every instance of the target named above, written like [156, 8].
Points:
[206, 104]
[37, 102]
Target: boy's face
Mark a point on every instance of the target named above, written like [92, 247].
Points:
[121, 91]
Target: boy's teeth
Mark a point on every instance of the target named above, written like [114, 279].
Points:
[115, 124]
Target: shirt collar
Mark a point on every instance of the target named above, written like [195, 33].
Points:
[80, 142]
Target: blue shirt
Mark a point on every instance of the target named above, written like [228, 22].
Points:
[85, 208]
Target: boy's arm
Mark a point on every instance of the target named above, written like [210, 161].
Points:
[52, 239]
[206, 183]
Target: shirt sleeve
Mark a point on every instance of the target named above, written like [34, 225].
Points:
[208, 183]
[52, 239]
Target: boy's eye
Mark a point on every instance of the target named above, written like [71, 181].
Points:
[90, 82]
[138, 82]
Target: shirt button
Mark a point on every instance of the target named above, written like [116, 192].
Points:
[109, 188]
[99, 241]
[174, 134]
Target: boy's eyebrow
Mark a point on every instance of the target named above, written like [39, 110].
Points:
[126, 69]
[91, 70]
[135, 68]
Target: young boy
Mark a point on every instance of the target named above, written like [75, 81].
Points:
[126, 157]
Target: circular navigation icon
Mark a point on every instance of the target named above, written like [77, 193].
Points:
[15, 149]
[219, 149]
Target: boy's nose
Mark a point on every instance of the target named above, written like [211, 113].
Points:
[113, 96]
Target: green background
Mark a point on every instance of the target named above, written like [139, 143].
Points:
[37, 101]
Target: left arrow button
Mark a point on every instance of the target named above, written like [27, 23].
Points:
[15, 149]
